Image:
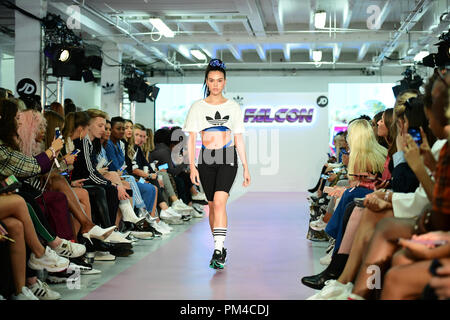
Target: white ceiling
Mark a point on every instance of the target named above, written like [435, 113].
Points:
[259, 34]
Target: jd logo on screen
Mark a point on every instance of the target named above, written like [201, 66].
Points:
[218, 120]
[282, 115]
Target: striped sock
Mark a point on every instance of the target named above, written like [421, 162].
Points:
[219, 235]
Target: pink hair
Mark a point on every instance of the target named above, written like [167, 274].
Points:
[31, 123]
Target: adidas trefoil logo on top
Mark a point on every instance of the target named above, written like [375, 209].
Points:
[218, 120]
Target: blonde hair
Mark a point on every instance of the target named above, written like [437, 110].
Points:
[131, 141]
[97, 113]
[366, 154]
[149, 145]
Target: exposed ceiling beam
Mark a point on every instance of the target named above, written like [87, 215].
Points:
[413, 17]
[252, 11]
[261, 52]
[185, 27]
[235, 52]
[277, 9]
[337, 51]
[216, 27]
[363, 51]
[184, 51]
[313, 8]
[287, 51]
[319, 37]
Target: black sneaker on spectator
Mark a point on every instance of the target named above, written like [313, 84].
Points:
[62, 277]
[43, 292]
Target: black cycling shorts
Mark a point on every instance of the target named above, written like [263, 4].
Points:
[217, 169]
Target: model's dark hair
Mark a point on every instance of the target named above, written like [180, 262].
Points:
[8, 125]
[213, 65]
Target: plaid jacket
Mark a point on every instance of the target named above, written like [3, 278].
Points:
[441, 193]
[16, 163]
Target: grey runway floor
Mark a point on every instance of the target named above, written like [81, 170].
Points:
[267, 254]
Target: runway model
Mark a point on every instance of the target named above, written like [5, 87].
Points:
[216, 118]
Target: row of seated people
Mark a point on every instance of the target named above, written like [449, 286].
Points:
[383, 203]
[89, 191]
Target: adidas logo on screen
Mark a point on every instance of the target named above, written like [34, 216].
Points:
[218, 120]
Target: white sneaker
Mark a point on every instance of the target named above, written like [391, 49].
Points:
[180, 206]
[173, 213]
[92, 271]
[326, 259]
[199, 196]
[42, 291]
[159, 228]
[318, 225]
[143, 235]
[198, 211]
[165, 225]
[49, 261]
[117, 237]
[68, 249]
[333, 289]
[26, 294]
[169, 218]
[104, 256]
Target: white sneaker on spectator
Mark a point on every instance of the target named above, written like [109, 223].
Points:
[168, 227]
[164, 226]
[331, 290]
[117, 237]
[92, 271]
[353, 296]
[199, 196]
[172, 212]
[143, 235]
[26, 294]
[68, 249]
[326, 259]
[159, 228]
[318, 225]
[49, 261]
[42, 291]
[180, 206]
[104, 256]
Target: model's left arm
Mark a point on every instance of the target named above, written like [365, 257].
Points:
[238, 130]
[240, 146]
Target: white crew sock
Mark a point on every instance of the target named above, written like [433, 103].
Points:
[219, 235]
[128, 212]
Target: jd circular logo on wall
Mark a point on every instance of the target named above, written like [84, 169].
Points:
[322, 101]
[26, 87]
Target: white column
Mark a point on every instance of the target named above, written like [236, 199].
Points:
[28, 42]
[111, 97]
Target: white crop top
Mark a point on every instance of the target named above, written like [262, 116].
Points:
[203, 115]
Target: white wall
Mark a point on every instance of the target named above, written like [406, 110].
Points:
[84, 95]
[7, 77]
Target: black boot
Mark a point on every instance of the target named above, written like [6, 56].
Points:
[332, 272]
[318, 182]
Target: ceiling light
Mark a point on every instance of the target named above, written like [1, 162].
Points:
[317, 55]
[320, 18]
[421, 55]
[64, 55]
[162, 27]
[198, 54]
